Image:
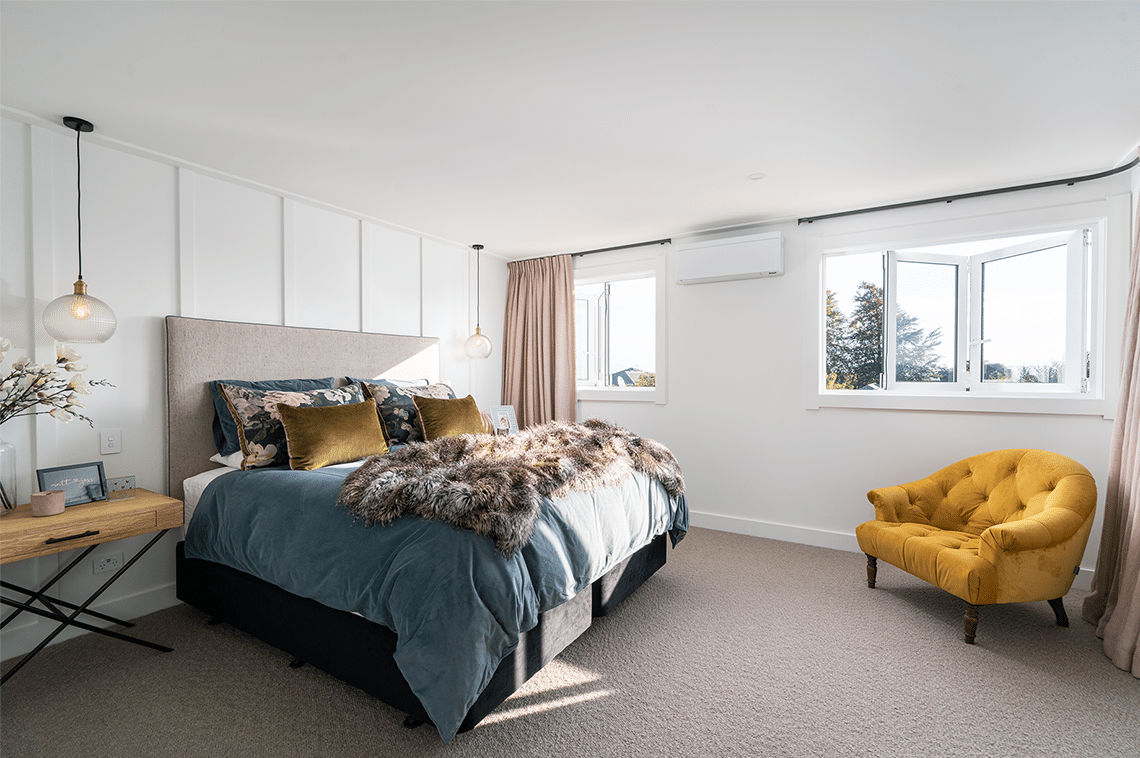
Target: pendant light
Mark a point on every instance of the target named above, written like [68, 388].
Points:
[79, 317]
[477, 345]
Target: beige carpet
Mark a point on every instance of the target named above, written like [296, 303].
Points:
[739, 647]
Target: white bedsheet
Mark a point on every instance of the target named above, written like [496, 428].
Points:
[192, 491]
[193, 487]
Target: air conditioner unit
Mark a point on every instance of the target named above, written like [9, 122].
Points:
[731, 258]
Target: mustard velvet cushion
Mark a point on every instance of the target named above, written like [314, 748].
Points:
[1003, 527]
[318, 437]
[255, 413]
[448, 418]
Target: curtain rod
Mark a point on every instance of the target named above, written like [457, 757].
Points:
[980, 193]
[622, 247]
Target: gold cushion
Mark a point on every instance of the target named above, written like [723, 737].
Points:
[317, 437]
[448, 418]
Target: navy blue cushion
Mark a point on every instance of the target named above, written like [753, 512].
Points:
[225, 429]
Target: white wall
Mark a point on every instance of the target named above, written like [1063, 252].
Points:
[756, 461]
[160, 238]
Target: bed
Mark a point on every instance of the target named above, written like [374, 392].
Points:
[238, 560]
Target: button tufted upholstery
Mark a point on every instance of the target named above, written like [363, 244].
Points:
[1008, 526]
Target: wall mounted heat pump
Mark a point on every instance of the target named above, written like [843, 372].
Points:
[723, 260]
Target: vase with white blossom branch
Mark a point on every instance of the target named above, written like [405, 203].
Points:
[33, 389]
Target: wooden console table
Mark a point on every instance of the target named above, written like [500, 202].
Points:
[24, 536]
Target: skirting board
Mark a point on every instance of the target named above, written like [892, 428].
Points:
[784, 532]
[23, 635]
[816, 537]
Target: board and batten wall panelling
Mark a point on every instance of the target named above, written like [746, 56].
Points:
[129, 261]
[15, 270]
[390, 274]
[487, 375]
[17, 299]
[234, 255]
[130, 224]
[17, 303]
[446, 287]
[322, 268]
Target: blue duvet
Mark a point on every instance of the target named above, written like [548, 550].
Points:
[456, 604]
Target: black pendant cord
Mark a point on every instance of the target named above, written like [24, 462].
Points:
[478, 282]
[80, 125]
[79, 203]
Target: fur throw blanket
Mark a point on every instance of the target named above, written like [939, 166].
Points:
[494, 485]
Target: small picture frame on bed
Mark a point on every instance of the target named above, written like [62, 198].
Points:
[81, 483]
[503, 419]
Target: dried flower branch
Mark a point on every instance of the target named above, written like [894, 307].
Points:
[32, 389]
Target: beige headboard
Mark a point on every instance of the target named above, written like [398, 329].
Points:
[199, 351]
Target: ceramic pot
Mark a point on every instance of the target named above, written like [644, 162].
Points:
[48, 503]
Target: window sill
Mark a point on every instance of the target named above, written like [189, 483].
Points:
[619, 394]
[963, 403]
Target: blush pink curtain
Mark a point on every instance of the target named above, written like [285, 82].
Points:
[538, 341]
[1114, 605]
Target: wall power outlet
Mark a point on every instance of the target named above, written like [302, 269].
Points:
[112, 562]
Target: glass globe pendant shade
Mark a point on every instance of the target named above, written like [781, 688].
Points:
[79, 318]
[477, 345]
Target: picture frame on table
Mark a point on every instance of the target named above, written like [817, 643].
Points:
[81, 482]
[503, 419]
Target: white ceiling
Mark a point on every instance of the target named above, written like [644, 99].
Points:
[548, 127]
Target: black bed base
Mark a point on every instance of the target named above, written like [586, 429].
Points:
[360, 652]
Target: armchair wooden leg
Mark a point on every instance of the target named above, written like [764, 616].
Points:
[1058, 607]
[872, 570]
[971, 619]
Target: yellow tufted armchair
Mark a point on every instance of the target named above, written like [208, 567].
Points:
[1003, 527]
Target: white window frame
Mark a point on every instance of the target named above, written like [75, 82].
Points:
[890, 327]
[633, 264]
[1075, 347]
[1109, 221]
[594, 323]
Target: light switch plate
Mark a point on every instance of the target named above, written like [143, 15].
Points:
[110, 441]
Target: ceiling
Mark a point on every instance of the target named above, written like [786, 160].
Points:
[548, 127]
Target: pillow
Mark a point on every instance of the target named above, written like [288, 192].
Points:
[448, 418]
[233, 460]
[258, 421]
[324, 435]
[397, 409]
[225, 430]
[390, 382]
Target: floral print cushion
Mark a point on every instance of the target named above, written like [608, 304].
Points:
[398, 417]
[260, 431]
[226, 438]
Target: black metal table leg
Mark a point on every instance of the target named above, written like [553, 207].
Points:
[71, 620]
[51, 602]
[47, 586]
[83, 624]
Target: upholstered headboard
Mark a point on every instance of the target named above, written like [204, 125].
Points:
[199, 351]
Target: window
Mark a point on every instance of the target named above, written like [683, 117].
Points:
[1003, 346]
[995, 315]
[615, 332]
[621, 317]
